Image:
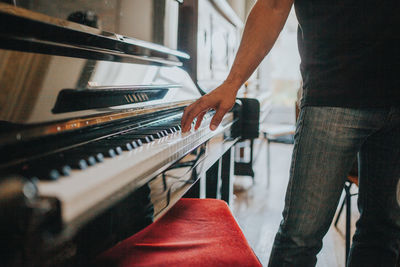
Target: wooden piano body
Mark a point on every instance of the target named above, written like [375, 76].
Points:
[90, 144]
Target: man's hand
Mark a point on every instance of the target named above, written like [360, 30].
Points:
[221, 100]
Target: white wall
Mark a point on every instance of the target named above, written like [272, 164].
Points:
[283, 61]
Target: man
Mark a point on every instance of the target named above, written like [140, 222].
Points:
[350, 52]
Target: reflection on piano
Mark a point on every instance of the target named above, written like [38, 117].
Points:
[90, 144]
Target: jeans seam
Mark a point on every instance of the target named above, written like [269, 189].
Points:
[300, 129]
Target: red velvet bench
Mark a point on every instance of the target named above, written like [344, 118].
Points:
[195, 232]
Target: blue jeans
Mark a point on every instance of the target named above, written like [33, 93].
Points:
[327, 141]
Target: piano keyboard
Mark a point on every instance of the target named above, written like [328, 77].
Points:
[103, 171]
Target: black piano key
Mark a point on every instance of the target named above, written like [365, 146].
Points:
[134, 144]
[158, 135]
[139, 142]
[110, 153]
[175, 129]
[99, 157]
[80, 164]
[125, 145]
[82, 153]
[91, 160]
[104, 151]
[125, 142]
[118, 150]
[53, 174]
[77, 159]
[144, 138]
[148, 134]
[42, 173]
[111, 143]
[63, 168]
[103, 147]
[47, 168]
[161, 128]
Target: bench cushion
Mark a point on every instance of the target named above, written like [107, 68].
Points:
[195, 232]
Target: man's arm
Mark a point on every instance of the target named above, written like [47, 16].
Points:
[263, 26]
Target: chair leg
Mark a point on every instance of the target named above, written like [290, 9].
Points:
[348, 219]
[268, 162]
[251, 158]
[340, 211]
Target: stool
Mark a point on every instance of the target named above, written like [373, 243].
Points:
[283, 134]
[195, 232]
[351, 179]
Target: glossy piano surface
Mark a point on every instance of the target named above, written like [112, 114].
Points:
[37, 82]
[90, 138]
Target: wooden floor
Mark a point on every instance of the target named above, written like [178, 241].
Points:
[258, 209]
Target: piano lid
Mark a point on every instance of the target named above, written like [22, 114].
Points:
[80, 33]
[154, 21]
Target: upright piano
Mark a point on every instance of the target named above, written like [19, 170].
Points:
[91, 149]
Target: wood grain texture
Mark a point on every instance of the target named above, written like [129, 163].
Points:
[21, 77]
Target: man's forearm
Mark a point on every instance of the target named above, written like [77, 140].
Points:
[262, 29]
[263, 26]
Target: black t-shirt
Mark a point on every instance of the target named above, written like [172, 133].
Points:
[350, 52]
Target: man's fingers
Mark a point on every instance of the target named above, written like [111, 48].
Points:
[184, 117]
[188, 117]
[199, 108]
[217, 118]
[199, 120]
[190, 113]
